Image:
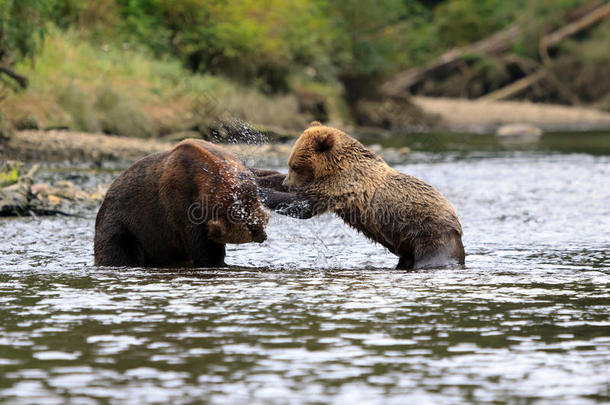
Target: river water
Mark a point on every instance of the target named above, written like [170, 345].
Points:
[317, 314]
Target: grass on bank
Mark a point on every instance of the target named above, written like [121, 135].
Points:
[114, 89]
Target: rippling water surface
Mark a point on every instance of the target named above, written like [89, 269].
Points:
[317, 313]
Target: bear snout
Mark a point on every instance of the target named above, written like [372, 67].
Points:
[258, 234]
[256, 226]
[288, 180]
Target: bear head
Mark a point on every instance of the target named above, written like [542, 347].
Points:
[241, 217]
[323, 151]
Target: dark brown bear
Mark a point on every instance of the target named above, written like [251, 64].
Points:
[179, 207]
[334, 172]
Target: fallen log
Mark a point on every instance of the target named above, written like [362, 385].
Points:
[496, 44]
[515, 87]
[593, 17]
[588, 20]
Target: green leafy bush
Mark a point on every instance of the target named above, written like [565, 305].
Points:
[137, 67]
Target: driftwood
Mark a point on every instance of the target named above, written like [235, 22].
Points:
[594, 16]
[588, 20]
[582, 23]
[518, 86]
[20, 79]
[494, 45]
[515, 87]
[497, 43]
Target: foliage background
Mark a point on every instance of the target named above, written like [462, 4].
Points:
[139, 67]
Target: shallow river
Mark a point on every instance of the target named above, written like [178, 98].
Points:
[317, 313]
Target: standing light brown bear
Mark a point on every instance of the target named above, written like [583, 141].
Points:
[179, 207]
[332, 171]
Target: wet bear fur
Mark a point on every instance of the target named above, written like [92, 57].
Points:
[331, 171]
[179, 207]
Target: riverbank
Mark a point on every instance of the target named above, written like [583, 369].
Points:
[99, 150]
[76, 168]
[272, 148]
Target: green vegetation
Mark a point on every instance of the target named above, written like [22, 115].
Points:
[21, 27]
[9, 172]
[9, 177]
[153, 67]
[86, 87]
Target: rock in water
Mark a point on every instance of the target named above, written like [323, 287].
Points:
[521, 131]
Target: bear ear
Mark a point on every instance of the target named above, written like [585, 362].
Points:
[314, 124]
[324, 143]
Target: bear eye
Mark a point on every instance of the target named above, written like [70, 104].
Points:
[295, 169]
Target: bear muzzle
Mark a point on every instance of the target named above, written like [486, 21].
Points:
[227, 232]
[256, 224]
[288, 180]
[258, 234]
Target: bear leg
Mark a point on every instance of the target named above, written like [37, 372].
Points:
[405, 263]
[263, 172]
[209, 254]
[119, 250]
[292, 204]
[269, 179]
[444, 251]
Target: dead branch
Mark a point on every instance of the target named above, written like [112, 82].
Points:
[515, 87]
[22, 80]
[495, 44]
[588, 20]
[593, 17]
